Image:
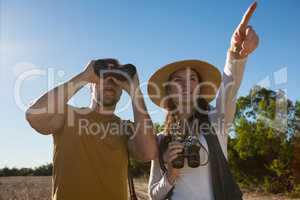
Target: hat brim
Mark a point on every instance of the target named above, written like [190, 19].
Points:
[210, 77]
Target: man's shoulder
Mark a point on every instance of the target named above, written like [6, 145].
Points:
[76, 110]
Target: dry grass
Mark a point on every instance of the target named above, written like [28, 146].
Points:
[39, 188]
[25, 188]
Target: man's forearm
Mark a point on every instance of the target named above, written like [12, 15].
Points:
[144, 140]
[54, 101]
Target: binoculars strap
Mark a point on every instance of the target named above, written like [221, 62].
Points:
[130, 181]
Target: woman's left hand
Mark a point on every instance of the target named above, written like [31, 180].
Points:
[244, 40]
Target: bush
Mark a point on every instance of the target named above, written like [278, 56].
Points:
[295, 193]
[264, 150]
[44, 170]
[139, 168]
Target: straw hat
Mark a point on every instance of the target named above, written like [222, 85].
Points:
[207, 72]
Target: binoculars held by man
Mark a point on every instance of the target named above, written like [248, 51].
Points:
[104, 68]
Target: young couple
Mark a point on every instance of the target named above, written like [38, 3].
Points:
[87, 165]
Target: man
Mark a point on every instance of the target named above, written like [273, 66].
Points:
[90, 143]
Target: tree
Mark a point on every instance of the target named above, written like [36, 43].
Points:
[263, 147]
[296, 144]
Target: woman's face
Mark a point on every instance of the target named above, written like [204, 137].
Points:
[182, 87]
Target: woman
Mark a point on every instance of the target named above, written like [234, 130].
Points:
[185, 89]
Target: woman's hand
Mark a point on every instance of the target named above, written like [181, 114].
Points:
[244, 40]
[170, 154]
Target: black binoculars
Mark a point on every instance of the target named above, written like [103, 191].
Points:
[109, 67]
[190, 151]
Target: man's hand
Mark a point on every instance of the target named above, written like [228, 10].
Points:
[89, 73]
[244, 40]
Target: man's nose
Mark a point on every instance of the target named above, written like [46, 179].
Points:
[109, 81]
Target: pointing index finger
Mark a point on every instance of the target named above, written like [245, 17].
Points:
[248, 15]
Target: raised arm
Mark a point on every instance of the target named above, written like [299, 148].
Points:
[47, 114]
[243, 42]
[142, 145]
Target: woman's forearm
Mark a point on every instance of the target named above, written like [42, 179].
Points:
[159, 185]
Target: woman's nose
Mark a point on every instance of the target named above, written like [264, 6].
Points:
[184, 84]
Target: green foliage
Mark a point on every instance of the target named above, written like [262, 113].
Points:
[266, 150]
[139, 168]
[43, 170]
[295, 192]
[158, 128]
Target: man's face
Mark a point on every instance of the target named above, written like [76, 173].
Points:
[108, 93]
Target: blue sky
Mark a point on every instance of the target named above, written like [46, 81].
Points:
[65, 35]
